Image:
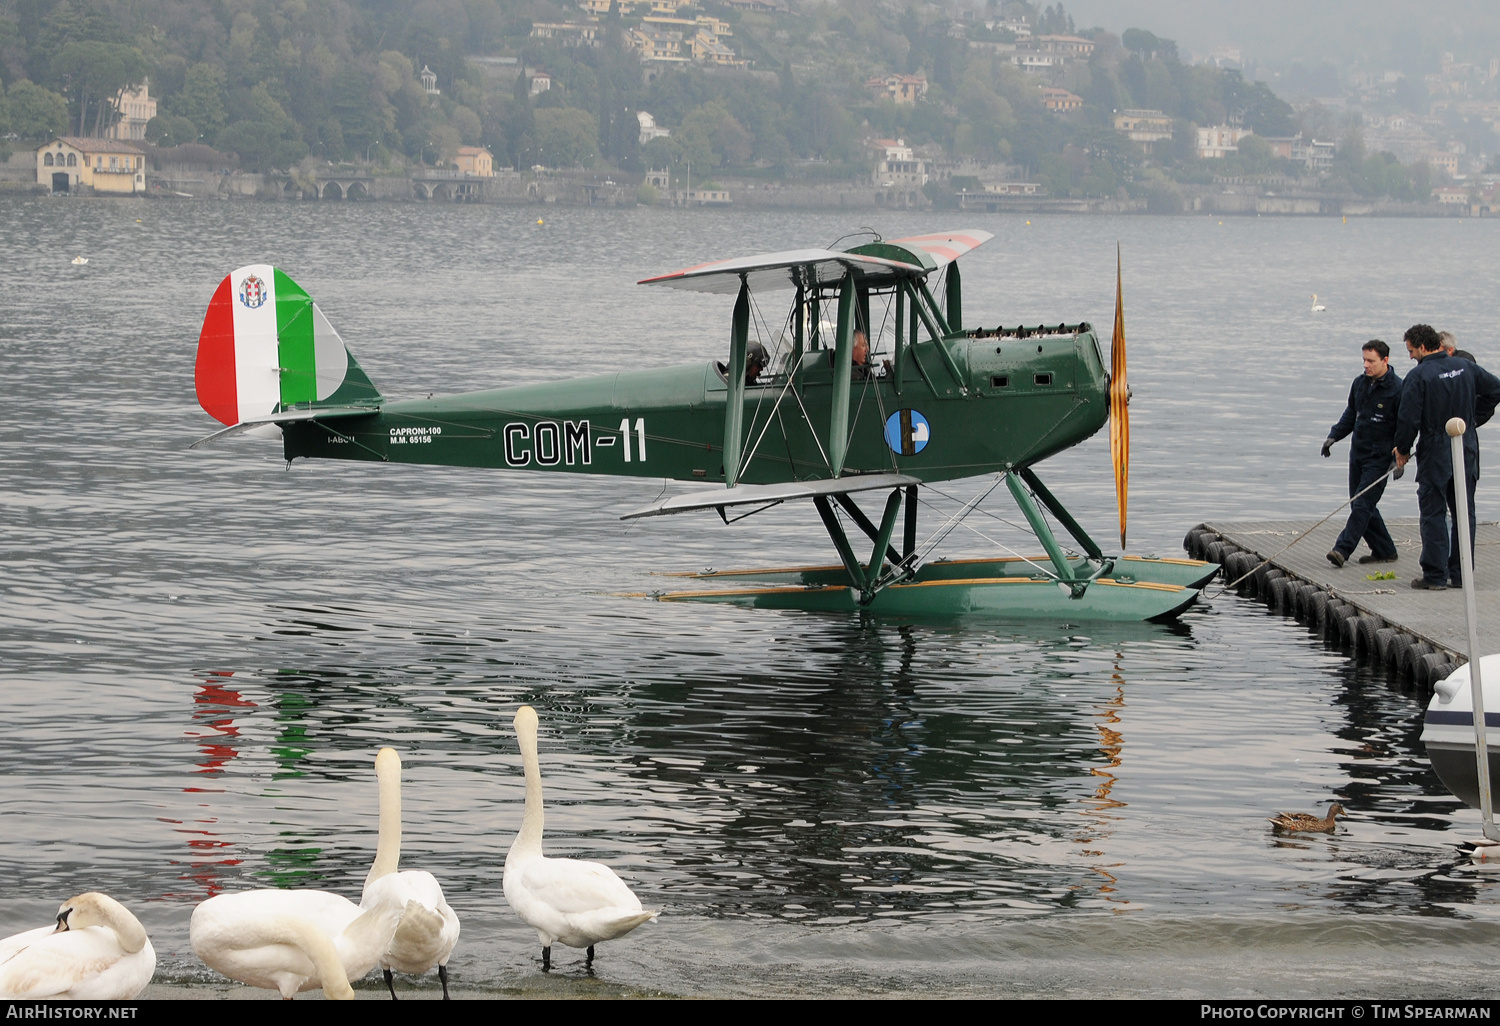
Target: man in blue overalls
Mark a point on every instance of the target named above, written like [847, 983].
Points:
[1374, 399]
[1441, 387]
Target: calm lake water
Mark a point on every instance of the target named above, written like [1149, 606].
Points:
[201, 652]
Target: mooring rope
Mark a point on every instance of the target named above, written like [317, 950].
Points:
[1394, 469]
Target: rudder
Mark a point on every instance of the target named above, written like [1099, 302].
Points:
[266, 347]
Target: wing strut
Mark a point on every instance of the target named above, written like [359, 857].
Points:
[843, 365]
[954, 313]
[734, 402]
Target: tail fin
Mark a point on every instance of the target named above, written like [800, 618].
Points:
[265, 348]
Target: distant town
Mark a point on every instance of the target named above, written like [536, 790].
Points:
[964, 105]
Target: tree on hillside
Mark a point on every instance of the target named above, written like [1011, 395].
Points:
[97, 75]
[1148, 45]
[202, 99]
[1054, 21]
[36, 113]
[565, 137]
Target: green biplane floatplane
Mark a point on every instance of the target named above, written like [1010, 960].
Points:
[819, 419]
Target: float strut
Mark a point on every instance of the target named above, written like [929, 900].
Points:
[1061, 513]
[1044, 535]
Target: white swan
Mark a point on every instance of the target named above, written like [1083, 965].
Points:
[577, 903]
[79, 261]
[1317, 307]
[291, 941]
[426, 938]
[97, 951]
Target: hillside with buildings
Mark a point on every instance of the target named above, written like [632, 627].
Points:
[982, 103]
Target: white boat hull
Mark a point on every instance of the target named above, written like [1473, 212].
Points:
[1448, 731]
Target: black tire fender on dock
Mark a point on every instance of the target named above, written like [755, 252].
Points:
[1213, 552]
[1309, 617]
[1317, 610]
[1333, 626]
[1267, 592]
[1413, 655]
[1302, 592]
[1280, 599]
[1239, 565]
[1365, 646]
[1431, 668]
[1328, 618]
[1399, 654]
[1385, 646]
[1260, 577]
[1349, 633]
[1193, 541]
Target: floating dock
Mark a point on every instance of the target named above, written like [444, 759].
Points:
[1418, 635]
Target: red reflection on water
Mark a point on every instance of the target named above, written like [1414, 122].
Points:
[214, 705]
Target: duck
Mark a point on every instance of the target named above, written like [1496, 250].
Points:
[295, 940]
[566, 901]
[1306, 822]
[1317, 307]
[426, 938]
[97, 951]
[79, 261]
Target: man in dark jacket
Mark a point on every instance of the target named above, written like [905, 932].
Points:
[1374, 401]
[1441, 387]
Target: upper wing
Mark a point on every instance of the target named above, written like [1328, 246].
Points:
[787, 269]
[945, 247]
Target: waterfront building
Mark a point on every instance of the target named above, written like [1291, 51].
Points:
[1444, 163]
[656, 45]
[103, 165]
[1074, 47]
[136, 108]
[903, 89]
[1060, 100]
[896, 165]
[569, 33]
[649, 128]
[1145, 127]
[1218, 141]
[476, 161]
[1014, 189]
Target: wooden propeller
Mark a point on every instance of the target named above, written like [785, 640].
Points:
[1119, 403]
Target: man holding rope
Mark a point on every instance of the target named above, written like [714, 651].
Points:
[1374, 401]
[1441, 387]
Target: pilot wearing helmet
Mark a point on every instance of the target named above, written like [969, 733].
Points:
[756, 359]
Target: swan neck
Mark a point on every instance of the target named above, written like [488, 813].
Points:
[320, 951]
[388, 847]
[529, 840]
[96, 909]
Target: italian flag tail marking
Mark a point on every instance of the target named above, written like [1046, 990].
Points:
[265, 346]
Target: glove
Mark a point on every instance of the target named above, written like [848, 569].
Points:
[1328, 447]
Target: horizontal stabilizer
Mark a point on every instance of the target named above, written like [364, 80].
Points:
[286, 417]
[742, 495]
